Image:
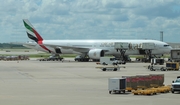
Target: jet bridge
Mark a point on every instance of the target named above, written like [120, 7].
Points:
[121, 47]
[146, 49]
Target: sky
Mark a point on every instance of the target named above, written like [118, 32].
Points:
[91, 19]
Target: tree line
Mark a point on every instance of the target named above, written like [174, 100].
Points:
[9, 45]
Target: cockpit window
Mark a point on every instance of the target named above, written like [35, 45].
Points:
[166, 45]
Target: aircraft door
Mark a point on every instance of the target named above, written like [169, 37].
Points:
[142, 52]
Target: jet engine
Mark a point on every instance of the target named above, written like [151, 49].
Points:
[96, 53]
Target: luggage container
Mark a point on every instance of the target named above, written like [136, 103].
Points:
[143, 81]
[117, 85]
[157, 80]
[172, 65]
[129, 83]
[154, 80]
[161, 79]
[147, 79]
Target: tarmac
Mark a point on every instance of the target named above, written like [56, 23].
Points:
[35, 82]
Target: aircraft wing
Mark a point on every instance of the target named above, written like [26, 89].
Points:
[25, 44]
[75, 48]
[29, 45]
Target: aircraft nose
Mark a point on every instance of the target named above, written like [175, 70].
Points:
[170, 47]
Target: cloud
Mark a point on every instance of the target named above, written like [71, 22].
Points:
[159, 9]
[91, 19]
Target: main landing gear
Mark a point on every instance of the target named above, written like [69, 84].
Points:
[122, 55]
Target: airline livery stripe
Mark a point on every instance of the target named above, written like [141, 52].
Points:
[37, 35]
[33, 30]
[44, 47]
[28, 27]
[36, 40]
[39, 39]
[32, 37]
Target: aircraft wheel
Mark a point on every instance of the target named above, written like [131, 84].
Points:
[104, 69]
[115, 69]
[162, 69]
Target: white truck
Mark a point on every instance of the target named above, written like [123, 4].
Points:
[108, 63]
[176, 85]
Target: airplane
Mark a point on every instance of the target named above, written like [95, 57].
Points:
[34, 45]
[94, 49]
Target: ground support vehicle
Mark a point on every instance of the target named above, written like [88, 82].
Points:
[144, 92]
[51, 59]
[23, 57]
[169, 66]
[117, 85]
[156, 67]
[152, 91]
[81, 59]
[109, 67]
[172, 65]
[146, 82]
[157, 61]
[176, 85]
[2, 57]
[107, 63]
[110, 61]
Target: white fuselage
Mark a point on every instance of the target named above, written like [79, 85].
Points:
[68, 46]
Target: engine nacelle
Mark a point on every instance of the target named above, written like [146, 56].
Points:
[96, 53]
